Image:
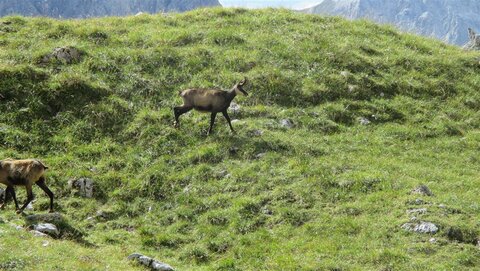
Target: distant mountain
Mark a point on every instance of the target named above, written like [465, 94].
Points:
[97, 8]
[447, 20]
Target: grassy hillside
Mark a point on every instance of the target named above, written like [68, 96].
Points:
[327, 194]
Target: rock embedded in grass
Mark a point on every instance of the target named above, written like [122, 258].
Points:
[422, 190]
[422, 227]
[67, 55]
[286, 123]
[149, 262]
[47, 228]
[417, 211]
[83, 187]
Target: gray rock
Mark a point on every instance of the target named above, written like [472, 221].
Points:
[47, 228]
[67, 55]
[156, 265]
[83, 187]
[286, 123]
[53, 218]
[432, 240]
[235, 108]
[257, 132]
[260, 155]
[422, 227]
[39, 234]
[422, 190]
[417, 211]
[364, 121]
[149, 262]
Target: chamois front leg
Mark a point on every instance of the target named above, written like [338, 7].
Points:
[29, 198]
[10, 191]
[227, 117]
[212, 122]
[43, 186]
[178, 111]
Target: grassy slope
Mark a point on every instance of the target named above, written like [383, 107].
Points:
[328, 194]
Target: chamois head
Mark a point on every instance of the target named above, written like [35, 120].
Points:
[239, 87]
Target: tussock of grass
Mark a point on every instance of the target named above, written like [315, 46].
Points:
[329, 194]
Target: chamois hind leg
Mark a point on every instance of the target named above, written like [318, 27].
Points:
[6, 197]
[43, 186]
[212, 122]
[28, 187]
[178, 111]
[227, 117]
[11, 191]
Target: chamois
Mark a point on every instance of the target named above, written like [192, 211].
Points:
[208, 101]
[23, 173]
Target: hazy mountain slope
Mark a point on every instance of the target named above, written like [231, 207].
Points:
[96, 8]
[447, 20]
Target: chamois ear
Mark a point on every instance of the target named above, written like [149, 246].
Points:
[243, 82]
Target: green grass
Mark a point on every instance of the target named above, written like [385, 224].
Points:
[329, 194]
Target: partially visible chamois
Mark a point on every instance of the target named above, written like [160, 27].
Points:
[23, 173]
[209, 101]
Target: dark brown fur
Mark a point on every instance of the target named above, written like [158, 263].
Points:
[208, 101]
[23, 173]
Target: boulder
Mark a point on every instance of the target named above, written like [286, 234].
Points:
[83, 187]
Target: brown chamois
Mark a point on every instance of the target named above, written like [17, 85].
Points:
[209, 101]
[23, 173]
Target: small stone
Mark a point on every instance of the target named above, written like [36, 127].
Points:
[352, 88]
[235, 108]
[139, 14]
[45, 243]
[286, 123]
[432, 240]
[364, 121]
[149, 262]
[221, 174]
[18, 228]
[422, 190]
[345, 73]
[29, 207]
[417, 211]
[260, 155]
[257, 132]
[419, 202]
[422, 227]
[443, 206]
[47, 228]
[39, 234]
[235, 121]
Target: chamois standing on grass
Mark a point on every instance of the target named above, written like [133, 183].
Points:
[209, 101]
[23, 173]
